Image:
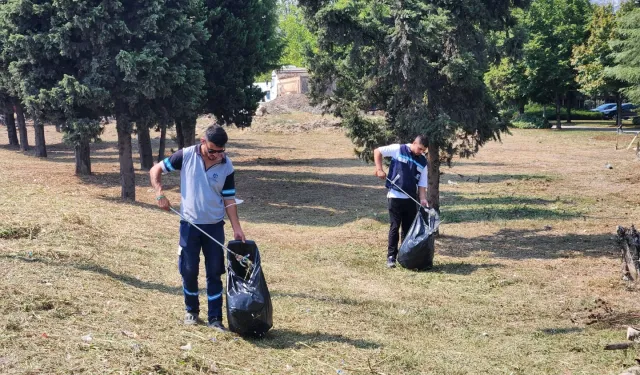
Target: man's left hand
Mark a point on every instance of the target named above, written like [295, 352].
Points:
[239, 235]
[424, 203]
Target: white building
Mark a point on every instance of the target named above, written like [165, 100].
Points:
[266, 89]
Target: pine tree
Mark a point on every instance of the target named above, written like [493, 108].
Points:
[243, 44]
[626, 54]
[125, 54]
[422, 62]
[28, 56]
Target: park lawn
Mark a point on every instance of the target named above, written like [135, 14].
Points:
[526, 280]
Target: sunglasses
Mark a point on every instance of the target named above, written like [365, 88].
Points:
[212, 151]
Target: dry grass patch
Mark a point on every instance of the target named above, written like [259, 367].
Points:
[90, 285]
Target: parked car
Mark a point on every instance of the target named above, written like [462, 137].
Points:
[628, 110]
[603, 107]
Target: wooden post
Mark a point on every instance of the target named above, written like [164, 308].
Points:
[633, 140]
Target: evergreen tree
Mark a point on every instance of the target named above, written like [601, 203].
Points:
[28, 57]
[422, 62]
[125, 55]
[626, 55]
[243, 44]
[6, 109]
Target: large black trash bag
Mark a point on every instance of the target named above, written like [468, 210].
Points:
[249, 309]
[417, 249]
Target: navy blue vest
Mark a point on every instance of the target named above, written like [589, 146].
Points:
[409, 167]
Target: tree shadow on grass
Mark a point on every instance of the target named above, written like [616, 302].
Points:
[117, 200]
[9, 147]
[286, 339]
[126, 279]
[130, 280]
[101, 152]
[517, 212]
[530, 243]
[307, 198]
[466, 208]
[480, 207]
[311, 162]
[170, 182]
[492, 178]
[461, 268]
[561, 331]
[590, 128]
[254, 145]
[452, 199]
[471, 162]
[320, 298]
[333, 199]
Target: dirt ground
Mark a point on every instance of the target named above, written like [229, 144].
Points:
[526, 279]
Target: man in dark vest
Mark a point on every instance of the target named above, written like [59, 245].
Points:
[408, 170]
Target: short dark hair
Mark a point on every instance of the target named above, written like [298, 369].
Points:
[216, 135]
[423, 140]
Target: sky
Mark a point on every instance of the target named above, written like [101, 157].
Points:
[616, 3]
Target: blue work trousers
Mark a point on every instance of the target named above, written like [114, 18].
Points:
[191, 242]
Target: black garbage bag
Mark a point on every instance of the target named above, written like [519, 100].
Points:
[417, 249]
[249, 310]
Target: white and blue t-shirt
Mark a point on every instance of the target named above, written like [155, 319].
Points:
[394, 152]
[203, 191]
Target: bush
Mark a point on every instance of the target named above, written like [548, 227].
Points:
[529, 121]
[589, 103]
[636, 120]
[576, 114]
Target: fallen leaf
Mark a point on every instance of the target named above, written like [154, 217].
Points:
[87, 338]
[186, 347]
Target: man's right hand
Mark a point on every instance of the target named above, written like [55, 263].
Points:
[163, 202]
[380, 174]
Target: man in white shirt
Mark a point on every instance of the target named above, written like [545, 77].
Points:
[409, 171]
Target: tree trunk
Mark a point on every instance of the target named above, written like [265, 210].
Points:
[125, 156]
[163, 141]
[569, 105]
[433, 190]
[58, 127]
[41, 146]
[558, 121]
[83, 158]
[521, 108]
[544, 111]
[144, 146]
[10, 121]
[619, 110]
[22, 128]
[189, 131]
[179, 135]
